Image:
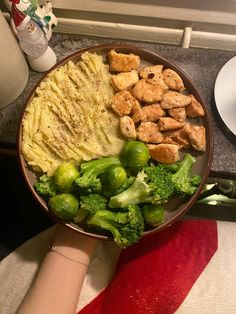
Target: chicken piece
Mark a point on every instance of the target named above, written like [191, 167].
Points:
[123, 102]
[179, 137]
[173, 80]
[167, 123]
[195, 109]
[178, 114]
[154, 73]
[147, 91]
[197, 136]
[121, 62]
[127, 128]
[137, 113]
[148, 132]
[173, 99]
[169, 140]
[149, 72]
[153, 112]
[125, 80]
[164, 153]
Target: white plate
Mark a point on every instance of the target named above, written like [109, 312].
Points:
[225, 94]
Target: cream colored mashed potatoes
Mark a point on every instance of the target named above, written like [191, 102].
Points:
[69, 117]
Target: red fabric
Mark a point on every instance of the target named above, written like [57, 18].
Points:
[156, 275]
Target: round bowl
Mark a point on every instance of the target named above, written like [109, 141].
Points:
[177, 208]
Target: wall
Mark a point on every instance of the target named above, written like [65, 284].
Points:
[209, 24]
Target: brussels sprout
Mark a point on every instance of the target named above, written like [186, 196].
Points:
[64, 206]
[114, 177]
[64, 177]
[134, 154]
[153, 214]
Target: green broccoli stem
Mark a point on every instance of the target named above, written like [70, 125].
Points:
[105, 225]
[126, 227]
[182, 178]
[138, 192]
[107, 215]
[98, 166]
[185, 166]
[89, 181]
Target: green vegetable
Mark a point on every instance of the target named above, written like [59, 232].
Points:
[134, 154]
[171, 167]
[90, 182]
[128, 182]
[185, 183]
[113, 178]
[64, 177]
[64, 206]
[45, 186]
[196, 180]
[153, 214]
[152, 185]
[89, 204]
[126, 227]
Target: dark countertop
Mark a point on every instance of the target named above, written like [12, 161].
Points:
[201, 65]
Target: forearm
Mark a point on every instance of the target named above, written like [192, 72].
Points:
[57, 286]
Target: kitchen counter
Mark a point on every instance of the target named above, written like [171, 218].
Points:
[201, 65]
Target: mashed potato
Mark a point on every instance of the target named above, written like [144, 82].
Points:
[69, 117]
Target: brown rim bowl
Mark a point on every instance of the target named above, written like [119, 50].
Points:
[175, 209]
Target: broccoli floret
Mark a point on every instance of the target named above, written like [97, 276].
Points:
[89, 182]
[45, 187]
[126, 227]
[93, 202]
[152, 185]
[196, 180]
[89, 204]
[186, 183]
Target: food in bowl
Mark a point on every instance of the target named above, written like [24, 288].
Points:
[112, 143]
[69, 116]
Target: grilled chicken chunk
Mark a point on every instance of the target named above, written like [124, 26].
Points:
[179, 137]
[167, 123]
[125, 80]
[173, 99]
[153, 112]
[148, 91]
[150, 72]
[164, 153]
[120, 62]
[178, 114]
[154, 73]
[127, 128]
[195, 109]
[148, 132]
[173, 80]
[137, 113]
[197, 136]
[123, 102]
